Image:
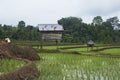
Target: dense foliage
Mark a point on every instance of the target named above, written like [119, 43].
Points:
[98, 31]
[76, 31]
[20, 32]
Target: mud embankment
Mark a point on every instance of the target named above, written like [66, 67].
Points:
[27, 72]
[14, 51]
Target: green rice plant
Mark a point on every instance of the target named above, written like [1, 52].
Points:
[114, 51]
[7, 65]
[76, 67]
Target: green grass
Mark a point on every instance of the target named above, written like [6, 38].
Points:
[82, 50]
[76, 67]
[77, 49]
[55, 47]
[112, 51]
[46, 47]
[61, 66]
[7, 65]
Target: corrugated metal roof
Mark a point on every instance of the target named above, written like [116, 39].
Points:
[50, 27]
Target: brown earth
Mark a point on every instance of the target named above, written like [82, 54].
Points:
[27, 72]
[14, 51]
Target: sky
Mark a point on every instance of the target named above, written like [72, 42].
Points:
[35, 12]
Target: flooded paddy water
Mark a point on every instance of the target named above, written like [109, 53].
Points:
[76, 67]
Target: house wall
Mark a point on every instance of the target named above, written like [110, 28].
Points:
[52, 36]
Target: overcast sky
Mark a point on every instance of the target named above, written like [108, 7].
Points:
[35, 12]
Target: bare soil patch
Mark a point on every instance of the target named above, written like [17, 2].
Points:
[14, 51]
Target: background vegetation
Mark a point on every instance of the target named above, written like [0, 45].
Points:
[76, 31]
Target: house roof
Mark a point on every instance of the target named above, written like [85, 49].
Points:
[90, 42]
[50, 27]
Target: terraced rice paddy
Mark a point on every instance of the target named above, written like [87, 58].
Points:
[114, 51]
[62, 66]
[76, 67]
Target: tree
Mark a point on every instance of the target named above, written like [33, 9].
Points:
[97, 20]
[114, 21]
[72, 26]
[67, 38]
[70, 22]
[1, 32]
[21, 24]
[7, 31]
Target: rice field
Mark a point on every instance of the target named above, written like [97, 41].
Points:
[76, 67]
[54, 47]
[71, 48]
[62, 66]
[7, 65]
[115, 51]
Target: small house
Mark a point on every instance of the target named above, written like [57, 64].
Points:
[50, 32]
[90, 43]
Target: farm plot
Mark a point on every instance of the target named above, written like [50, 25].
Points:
[83, 49]
[114, 51]
[52, 47]
[7, 65]
[70, 48]
[76, 67]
